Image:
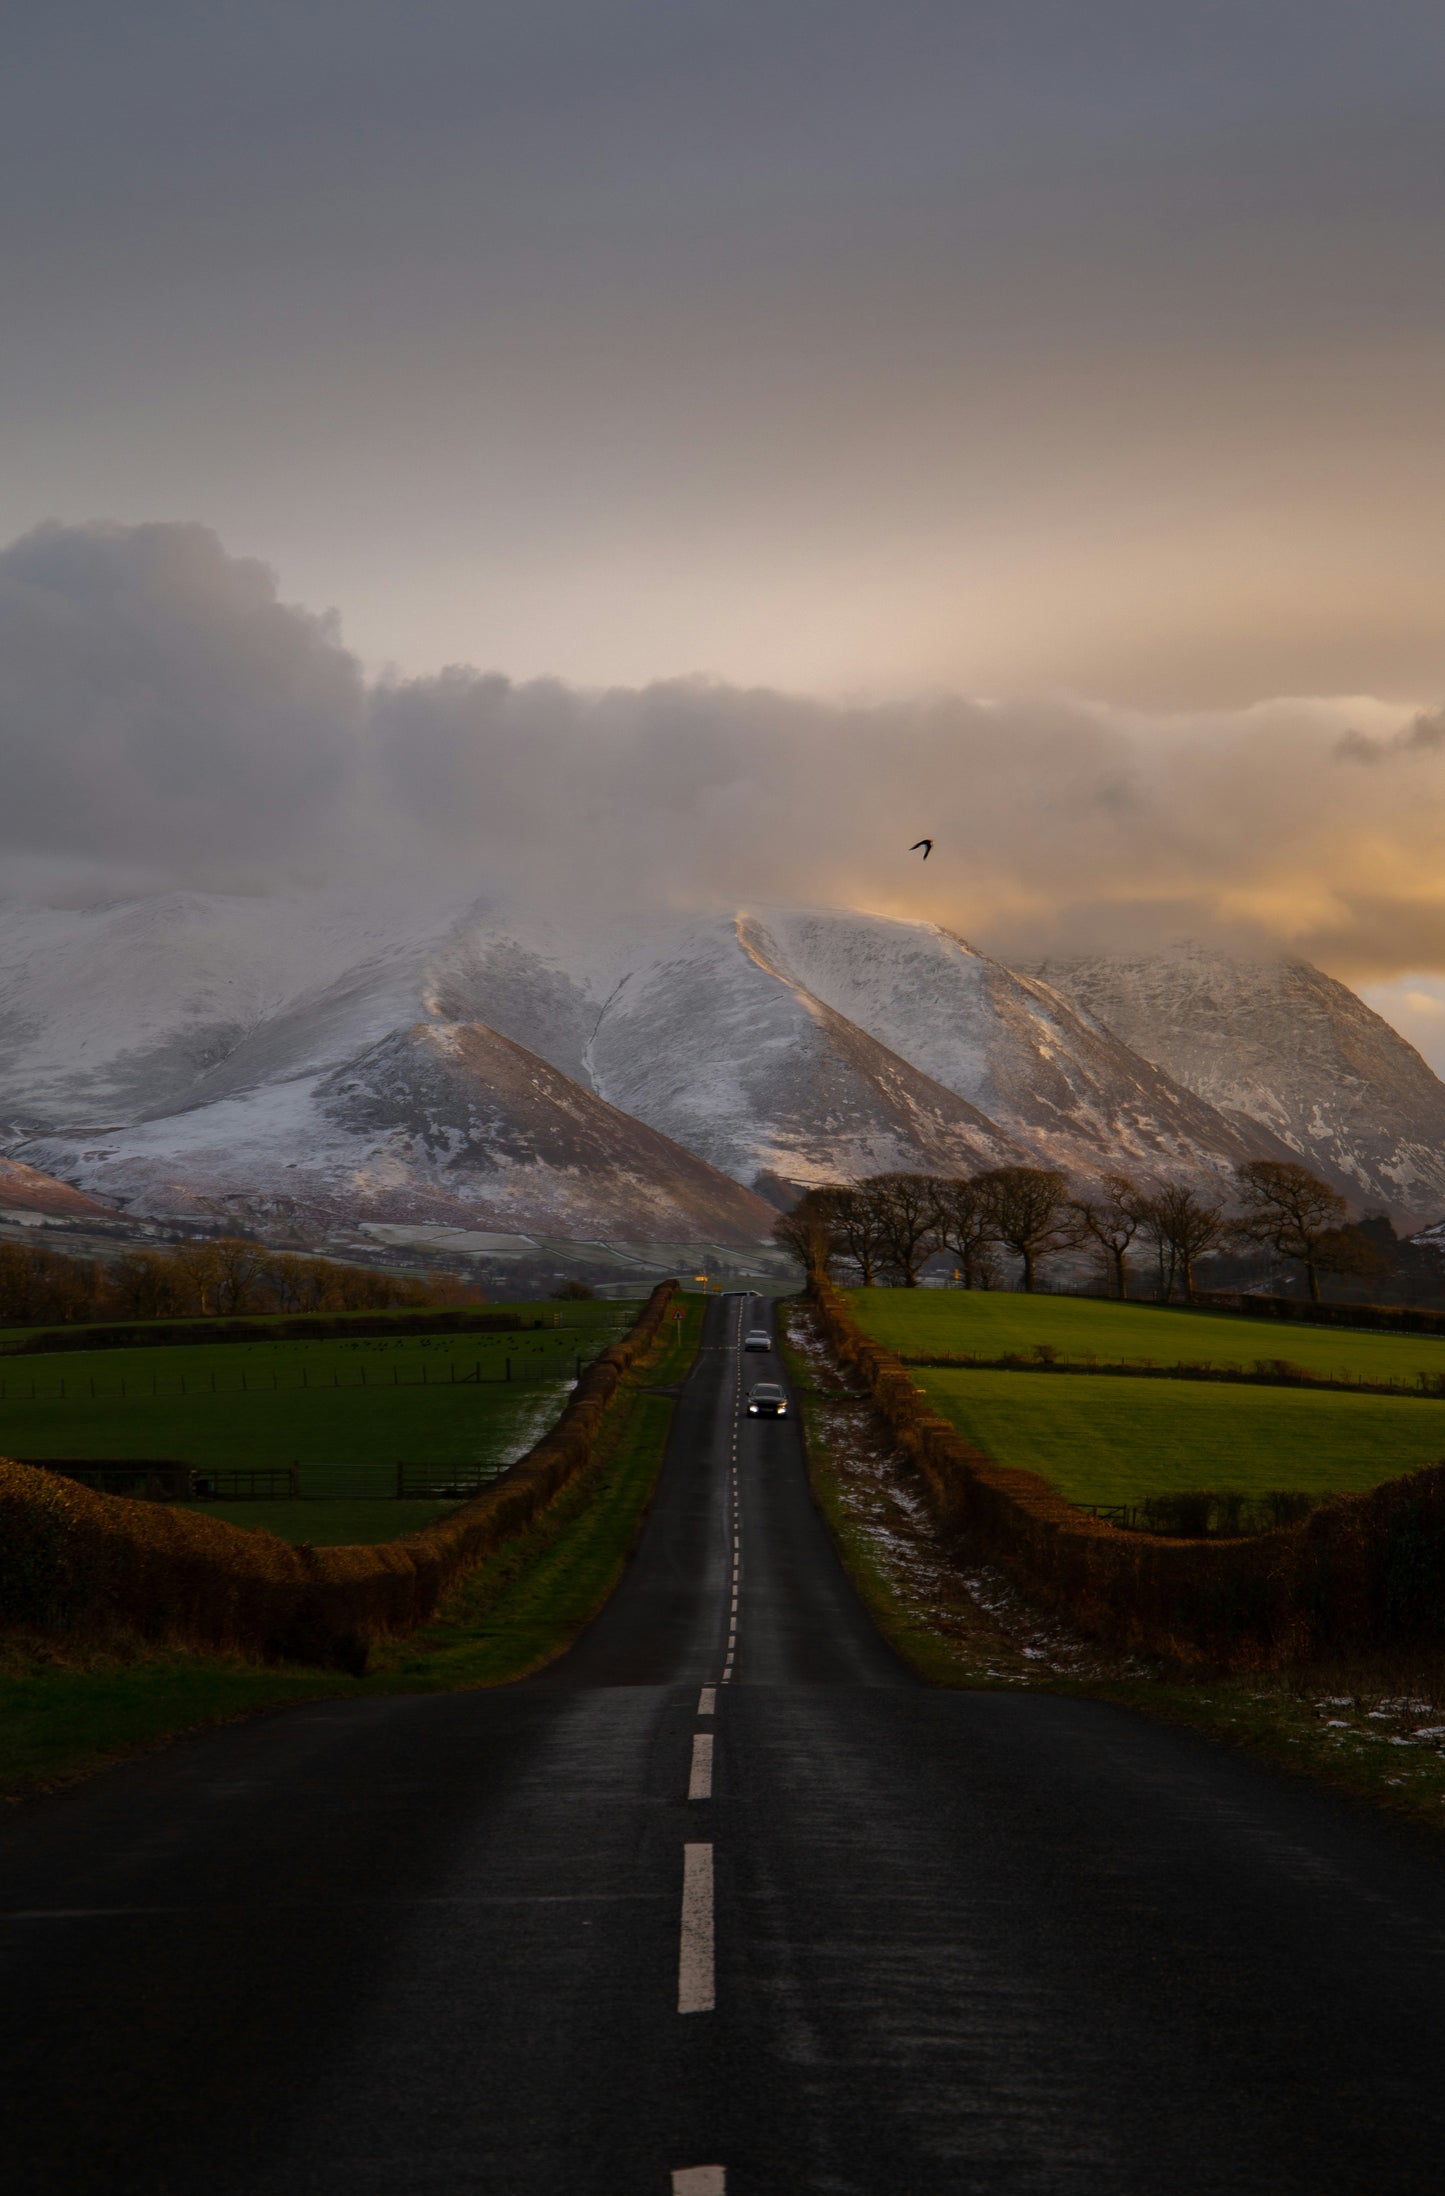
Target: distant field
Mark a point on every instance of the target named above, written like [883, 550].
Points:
[366, 1403]
[1100, 1440]
[926, 1322]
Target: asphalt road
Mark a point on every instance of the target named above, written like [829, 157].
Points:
[895, 1940]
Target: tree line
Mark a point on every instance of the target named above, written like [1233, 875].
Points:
[224, 1277]
[888, 1226]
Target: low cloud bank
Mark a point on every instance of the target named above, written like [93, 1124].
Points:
[165, 718]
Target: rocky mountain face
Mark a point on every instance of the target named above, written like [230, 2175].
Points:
[1283, 1047]
[299, 1062]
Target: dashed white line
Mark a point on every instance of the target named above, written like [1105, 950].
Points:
[699, 1782]
[700, 2181]
[696, 1992]
[707, 1700]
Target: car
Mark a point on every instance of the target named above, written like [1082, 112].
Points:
[757, 1338]
[767, 1400]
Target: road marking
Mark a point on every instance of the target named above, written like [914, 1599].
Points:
[700, 2181]
[707, 1700]
[699, 1783]
[695, 1987]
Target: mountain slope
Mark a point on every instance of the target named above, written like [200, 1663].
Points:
[333, 1055]
[24, 1190]
[1281, 1044]
[437, 1122]
[1046, 1072]
[712, 1042]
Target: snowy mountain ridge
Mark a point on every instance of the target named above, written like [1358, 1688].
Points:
[295, 1059]
[1283, 1046]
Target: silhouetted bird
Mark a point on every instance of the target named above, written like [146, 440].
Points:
[926, 844]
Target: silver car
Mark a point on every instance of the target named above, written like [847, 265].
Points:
[757, 1338]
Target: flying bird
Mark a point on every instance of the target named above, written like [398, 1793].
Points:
[926, 844]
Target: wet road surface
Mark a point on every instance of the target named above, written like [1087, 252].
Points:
[722, 1903]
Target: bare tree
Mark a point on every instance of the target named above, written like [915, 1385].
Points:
[239, 1275]
[1030, 1213]
[810, 1230]
[1291, 1211]
[858, 1219]
[907, 1206]
[1184, 1226]
[1113, 1219]
[965, 1227]
[197, 1270]
[146, 1285]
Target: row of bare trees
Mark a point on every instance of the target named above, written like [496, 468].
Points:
[890, 1225]
[220, 1277]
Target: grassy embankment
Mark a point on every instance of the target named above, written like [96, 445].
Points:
[1119, 1440]
[1374, 1732]
[522, 1608]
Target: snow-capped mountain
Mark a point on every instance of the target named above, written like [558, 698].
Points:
[304, 1062]
[309, 1060]
[1045, 1071]
[440, 1122]
[718, 1046]
[1281, 1045]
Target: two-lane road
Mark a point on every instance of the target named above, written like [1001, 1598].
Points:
[722, 1901]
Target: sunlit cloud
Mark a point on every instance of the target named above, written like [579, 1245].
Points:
[166, 718]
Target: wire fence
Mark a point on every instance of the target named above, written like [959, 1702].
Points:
[168, 1479]
[123, 1387]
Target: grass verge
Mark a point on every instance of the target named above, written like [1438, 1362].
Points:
[61, 1719]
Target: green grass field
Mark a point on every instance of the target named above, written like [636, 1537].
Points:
[929, 1322]
[518, 1609]
[365, 1404]
[336, 1524]
[1102, 1440]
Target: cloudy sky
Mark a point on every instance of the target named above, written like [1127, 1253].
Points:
[812, 421]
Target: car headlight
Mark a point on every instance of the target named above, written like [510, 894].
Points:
[752, 1410]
